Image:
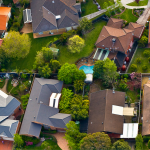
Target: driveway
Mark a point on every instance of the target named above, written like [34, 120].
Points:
[61, 141]
[8, 145]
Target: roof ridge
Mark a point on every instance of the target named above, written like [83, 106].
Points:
[121, 43]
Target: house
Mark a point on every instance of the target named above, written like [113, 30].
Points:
[146, 112]
[5, 13]
[42, 108]
[116, 42]
[52, 17]
[106, 114]
[8, 107]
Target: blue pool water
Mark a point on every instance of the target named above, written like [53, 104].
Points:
[87, 69]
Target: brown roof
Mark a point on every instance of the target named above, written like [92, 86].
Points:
[137, 28]
[100, 112]
[44, 14]
[123, 38]
[146, 112]
[115, 23]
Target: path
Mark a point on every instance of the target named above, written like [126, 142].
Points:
[125, 2]
[4, 89]
[27, 28]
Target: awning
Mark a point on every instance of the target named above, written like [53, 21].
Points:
[27, 16]
[130, 130]
[128, 111]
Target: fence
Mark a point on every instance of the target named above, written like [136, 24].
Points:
[103, 17]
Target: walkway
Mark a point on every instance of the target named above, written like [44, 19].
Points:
[63, 144]
[125, 2]
[27, 28]
[4, 89]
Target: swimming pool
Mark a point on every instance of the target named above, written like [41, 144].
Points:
[87, 69]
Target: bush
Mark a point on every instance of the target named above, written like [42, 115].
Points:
[133, 67]
[138, 60]
[30, 139]
[143, 41]
[149, 144]
[138, 96]
[83, 10]
[144, 67]
[146, 53]
[149, 59]
[3, 70]
[145, 33]
[125, 76]
[146, 138]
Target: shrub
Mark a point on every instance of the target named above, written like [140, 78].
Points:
[3, 70]
[125, 76]
[138, 96]
[83, 9]
[30, 139]
[143, 41]
[145, 33]
[149, 144]
[146, 138]
[138, 60]
[144, 67]
[149, 59]
[146, 53]
[133, 67]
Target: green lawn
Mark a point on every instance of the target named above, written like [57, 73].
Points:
[27, 62]
[141, 3]
[139, 54]
[132, 95]
[127, 15]
[90, 7]
[90, 40]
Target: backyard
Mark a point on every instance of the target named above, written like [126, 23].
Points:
[90, 7]
[127, 15]
[64, 56]
[144, 61]
[141, 3]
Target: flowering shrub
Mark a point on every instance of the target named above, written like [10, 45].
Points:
[136, 80]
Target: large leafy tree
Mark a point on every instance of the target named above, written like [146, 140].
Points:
[73, 136]
[75, 44]
[120, 145]
[47, 54]
[66, 98]
[69, 73]
[18, 142]
[45, 71]
[139, 142]
[85, 23]
[98, 140]
[16, 45]
[78, 85]
[55, 64]
[79, 107]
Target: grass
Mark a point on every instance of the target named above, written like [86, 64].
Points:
[27, 62]
[90, 7]
[139, 54]
[127, 15]
[132, 95]
[90, 39]
[2, 83]
[145, 147]
[141, 3]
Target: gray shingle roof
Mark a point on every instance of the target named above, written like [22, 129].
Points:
[38, 110]
[44, 14]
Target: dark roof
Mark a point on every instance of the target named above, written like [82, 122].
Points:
[44, 14]
[146, 112]
[84, 125]
[38, 110]
[115, 23]
[100, 112]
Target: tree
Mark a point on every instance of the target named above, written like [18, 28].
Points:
[55, 64]
[133, 67]
[24, 99]
[143, 41]
[23, 76]
[23, 2]
[105, 5]
[69, 73]
[119, 4]
[46, 146]
[47, 54]
[139, 142]
[16, 45]
[98, 69]
[18, 142]
[79, 107]
[110, 72]
[138, 60]
[78, 85]
[98, 140]
[146, 53]
[85, 24]
[66, 96]
[73, 136]
[120, 145]
[75, 44]
[44, 71]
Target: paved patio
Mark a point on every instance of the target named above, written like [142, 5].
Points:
[8, 145]
[27, 28]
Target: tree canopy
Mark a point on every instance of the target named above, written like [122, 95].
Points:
[16, 45]
[78, 85]
[85, 23]
[120, 145]
[55, 64]
[73, 136]
[45, 71]
[69, 73]
[79, 107]
[139, 142]
[18, 142]
[75, 44]
[98, 140]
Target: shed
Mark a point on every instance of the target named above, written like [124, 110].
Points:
[54, 50]
[27, 16]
